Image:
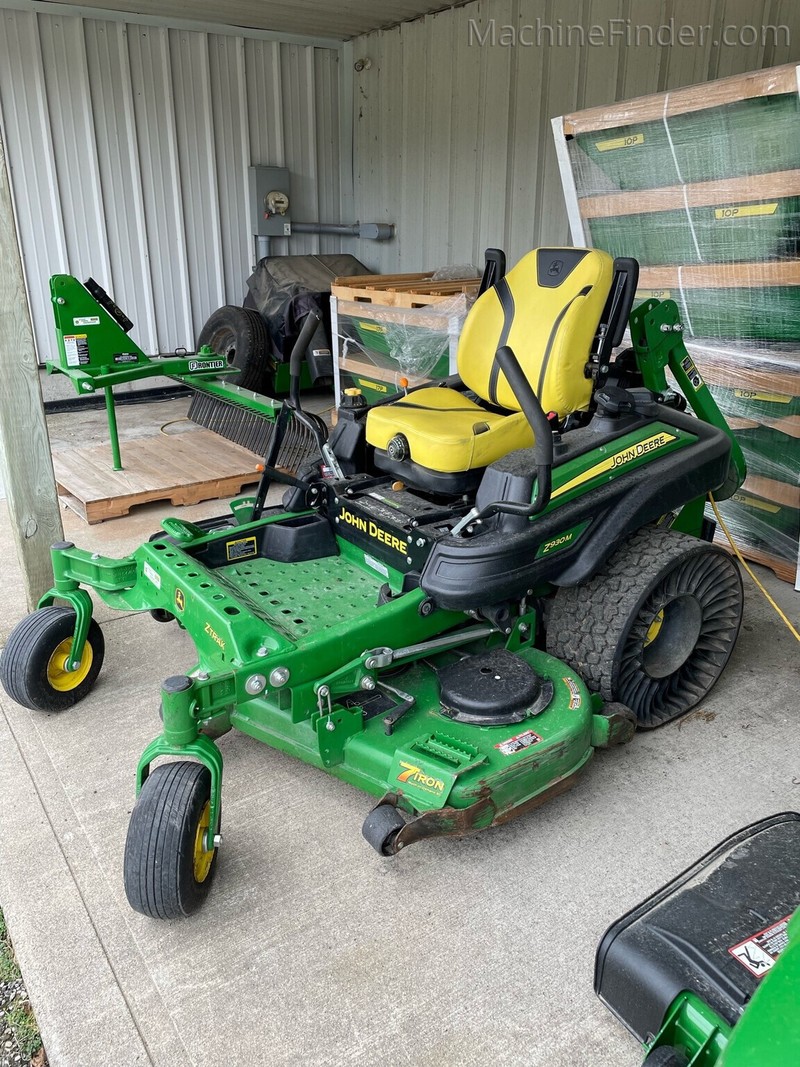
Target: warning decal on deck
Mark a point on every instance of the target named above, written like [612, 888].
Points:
[759, 952]
[574, 693]
[518, 743]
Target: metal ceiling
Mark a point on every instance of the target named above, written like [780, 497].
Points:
[336, 19]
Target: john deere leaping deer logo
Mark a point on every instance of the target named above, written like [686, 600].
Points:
[416, 776]
[180, 600]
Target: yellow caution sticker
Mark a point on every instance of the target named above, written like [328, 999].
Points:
[241, 548]
[745, 211]
[771, 398]
[633, 140]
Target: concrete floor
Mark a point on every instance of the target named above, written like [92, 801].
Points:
[311, 948]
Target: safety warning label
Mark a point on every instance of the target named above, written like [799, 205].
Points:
[518, 743]
[759, 952]
[76, 349]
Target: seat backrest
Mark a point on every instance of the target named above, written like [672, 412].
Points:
[547, 309]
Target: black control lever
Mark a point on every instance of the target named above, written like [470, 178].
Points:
[290, 409]
[542, 447]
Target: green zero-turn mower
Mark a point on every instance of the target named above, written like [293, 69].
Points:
[706, 973]
[476, 586]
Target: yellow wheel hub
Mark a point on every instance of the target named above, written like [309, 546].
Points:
[654, 629]
[59, 676]
[202, 857]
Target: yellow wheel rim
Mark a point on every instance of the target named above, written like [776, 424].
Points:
[202, 857]
[654, 629]
[59, 676]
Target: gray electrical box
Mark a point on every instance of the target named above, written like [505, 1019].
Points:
[270, 208]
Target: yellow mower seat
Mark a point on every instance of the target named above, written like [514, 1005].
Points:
[547, 309]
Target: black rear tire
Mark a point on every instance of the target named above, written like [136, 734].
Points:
[240, 336]
[654, 628]
[32, 666]
[167, 871]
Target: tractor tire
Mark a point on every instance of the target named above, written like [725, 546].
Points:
[167, 869]
[654, 628]
[240, 336]
[32, 667]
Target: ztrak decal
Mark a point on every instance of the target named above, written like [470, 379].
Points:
[564, 540]
[180, 599]
[242, 548]
[371, 529]
[214, 635]
[518, 743]
[759, 952]
[618, 459]
[415, 775]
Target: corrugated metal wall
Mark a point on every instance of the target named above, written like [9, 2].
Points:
[453, 140]
[129, 147]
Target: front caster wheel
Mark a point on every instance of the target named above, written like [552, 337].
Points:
[381, 827]
[36, 667]
[168, 867]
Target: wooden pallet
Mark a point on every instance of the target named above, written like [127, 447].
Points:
[184, 468]
[403, 290]
[781, 568]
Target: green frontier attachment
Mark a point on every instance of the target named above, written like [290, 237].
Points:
[95, 352]
[657, 335]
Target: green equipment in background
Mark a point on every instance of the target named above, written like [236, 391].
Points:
[706, 972]
[96, 352]
[464, 597]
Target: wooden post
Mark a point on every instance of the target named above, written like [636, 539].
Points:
[25, 461]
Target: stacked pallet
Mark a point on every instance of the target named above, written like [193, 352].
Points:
[393, 330]
[702, 186]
